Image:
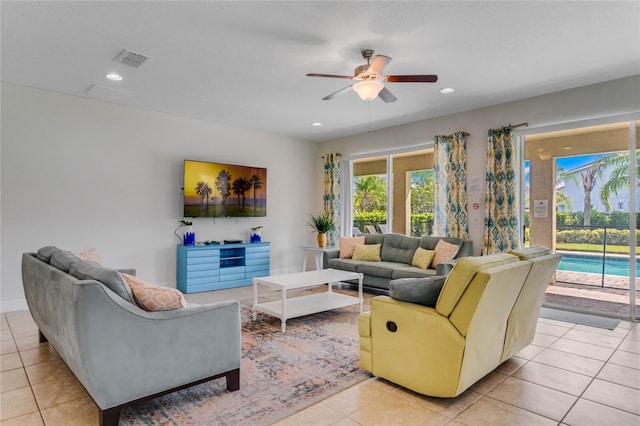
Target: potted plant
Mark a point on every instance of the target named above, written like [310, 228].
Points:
[322, 224]
[188, 235]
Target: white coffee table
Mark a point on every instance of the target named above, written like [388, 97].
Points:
[304, 305]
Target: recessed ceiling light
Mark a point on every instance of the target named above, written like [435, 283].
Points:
[316, 124]
[113, 76]
[447, 90]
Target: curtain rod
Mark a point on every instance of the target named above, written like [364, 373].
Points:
[513, 126]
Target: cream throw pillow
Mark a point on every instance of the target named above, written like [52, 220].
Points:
[347, 244]
[444, 251]
[368, 252]
[422, 258]
[151, 297]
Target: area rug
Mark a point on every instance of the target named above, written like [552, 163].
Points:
[280, 374]
[579, 318]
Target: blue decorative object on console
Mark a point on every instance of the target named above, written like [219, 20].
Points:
[188, 236]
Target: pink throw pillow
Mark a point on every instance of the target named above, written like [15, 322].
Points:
[151, 297]
[347, 244]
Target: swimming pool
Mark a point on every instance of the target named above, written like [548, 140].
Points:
[593, 264]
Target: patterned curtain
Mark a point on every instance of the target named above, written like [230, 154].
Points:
[331, 199]
[450, 186]
[501, 222]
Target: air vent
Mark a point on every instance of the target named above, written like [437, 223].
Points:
[132, 59]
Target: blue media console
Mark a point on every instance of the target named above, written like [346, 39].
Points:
[214, 267]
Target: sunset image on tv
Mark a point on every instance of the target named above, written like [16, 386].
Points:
[224, 190]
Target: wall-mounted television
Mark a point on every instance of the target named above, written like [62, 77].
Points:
[224, 190]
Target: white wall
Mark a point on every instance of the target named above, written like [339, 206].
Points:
[80, 173]
[590, 102]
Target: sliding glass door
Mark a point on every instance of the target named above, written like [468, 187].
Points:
[581, 200]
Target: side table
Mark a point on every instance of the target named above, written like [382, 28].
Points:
[318, 253]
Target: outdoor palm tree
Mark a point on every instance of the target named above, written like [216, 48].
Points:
[370, 193]
[223, 186]
[619, 177]
[256, 182]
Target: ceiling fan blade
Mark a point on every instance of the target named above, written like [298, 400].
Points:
[428, 78]
[378, 64]
[386, 95]
[338, 93]
[330, 76]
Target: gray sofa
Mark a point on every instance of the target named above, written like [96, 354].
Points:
[120, 353]
[396, 253]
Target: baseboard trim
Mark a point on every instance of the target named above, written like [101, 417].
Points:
[13, 305]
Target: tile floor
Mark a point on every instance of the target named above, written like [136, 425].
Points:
[570, 375]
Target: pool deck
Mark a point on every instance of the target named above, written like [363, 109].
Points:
[585, 291]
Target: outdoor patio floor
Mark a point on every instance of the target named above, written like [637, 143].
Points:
[585, 292]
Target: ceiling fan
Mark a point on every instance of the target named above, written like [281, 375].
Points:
[370, 81]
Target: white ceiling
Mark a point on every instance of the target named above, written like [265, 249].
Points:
[244, 63]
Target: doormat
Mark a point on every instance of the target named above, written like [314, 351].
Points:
[280, 374]
[579, 318]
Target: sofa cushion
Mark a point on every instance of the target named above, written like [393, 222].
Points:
[462, 274]
[412, 272]
[424, 291]
[90, 270]
[63, 260]
[444, 251]
[152, 298]
[430, 243]
[399, 248]
[347, 245]
[422, 258]
[530, 252]
[343, 264]
[374, 238]
[45, 253]
[368, 252]
[379, 269]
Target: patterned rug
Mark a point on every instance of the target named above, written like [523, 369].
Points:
[280, 374]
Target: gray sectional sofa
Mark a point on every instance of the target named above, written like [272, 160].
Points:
[120, 353]
[396, 253]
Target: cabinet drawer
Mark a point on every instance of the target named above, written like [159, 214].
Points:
[254, 268]
[208, 266]
[255, 262]
[211, 260]
[202, 281]
[257, 249]
[203, 273]
[258, 273]
[259, 255]
[202, 253]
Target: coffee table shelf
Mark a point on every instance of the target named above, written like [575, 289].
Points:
[293, 307]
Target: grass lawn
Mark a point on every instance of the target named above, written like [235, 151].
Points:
[592, 248]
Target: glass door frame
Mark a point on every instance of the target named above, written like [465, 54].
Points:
[631, 119]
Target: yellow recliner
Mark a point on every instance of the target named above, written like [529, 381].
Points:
[487, 310]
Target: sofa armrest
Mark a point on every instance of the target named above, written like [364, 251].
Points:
[329, 254]
[443, 268]
[117, 343]
[466, 249]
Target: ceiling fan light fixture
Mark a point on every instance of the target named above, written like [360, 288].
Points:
[368, 89]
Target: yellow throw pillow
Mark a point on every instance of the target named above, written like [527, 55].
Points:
[151, 297]
[444, 251]
[368, 252]
[422, 258]
[347, 244]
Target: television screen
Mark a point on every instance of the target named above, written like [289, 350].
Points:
[224, 190]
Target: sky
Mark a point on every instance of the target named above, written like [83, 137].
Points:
[565, 163]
